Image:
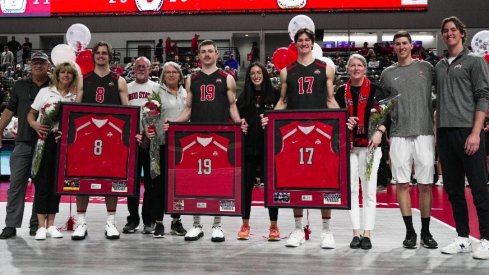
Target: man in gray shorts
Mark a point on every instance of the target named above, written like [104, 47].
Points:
[411, 132]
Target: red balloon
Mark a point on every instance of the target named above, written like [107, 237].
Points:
[292, 50]
[281, 58]
[85, 61]
[486, 57]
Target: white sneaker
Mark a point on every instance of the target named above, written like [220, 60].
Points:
[439, 182]
[194, 233]
[53, 232]
[217, 234]
[296, 238]
[111, 231]
[40, 234]
[482, 252]
[80, 230]
[327, 240]
[459, 245]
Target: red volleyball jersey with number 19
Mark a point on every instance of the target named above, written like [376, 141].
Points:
[204, 168]
[98, 149]
[307, 159]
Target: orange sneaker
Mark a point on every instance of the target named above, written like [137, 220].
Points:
[244, 232]
[274, 234]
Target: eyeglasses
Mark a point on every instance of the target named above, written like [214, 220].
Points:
[171, 72]
[141, 67]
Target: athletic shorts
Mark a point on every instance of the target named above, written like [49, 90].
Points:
[417, 150]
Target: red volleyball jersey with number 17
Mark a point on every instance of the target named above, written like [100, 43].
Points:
[307, 159]
[204, 168]
[98, 149]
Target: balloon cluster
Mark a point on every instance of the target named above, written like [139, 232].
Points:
[282, 57]
[77, 37]
[480, 44]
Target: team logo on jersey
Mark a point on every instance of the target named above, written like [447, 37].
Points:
[332, 198]
[215, 153]
[227, 206]
[218, 80]
[71, 185]
[202, 205]
[281, 197]
[109, 134]
[178, 204]
[111, 84]
[119, 186]
[317, 71]
[318, 141]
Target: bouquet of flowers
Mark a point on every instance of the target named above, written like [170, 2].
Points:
[379, 112]
[151, 116]
[49, 117]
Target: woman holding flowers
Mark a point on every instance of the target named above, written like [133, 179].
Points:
[358, 97]
[44, 119]
[172, 98]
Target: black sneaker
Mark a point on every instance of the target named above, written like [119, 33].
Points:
[366, 243]
[410, 241]
[33, 229]
[177, 228]
[428, 242]
[355, 242]
[130, 227]
[8, 232]
[159, 231]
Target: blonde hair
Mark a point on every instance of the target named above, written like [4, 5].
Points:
[69, 68]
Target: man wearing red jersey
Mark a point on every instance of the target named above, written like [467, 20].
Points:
[303, 88]
[101, 86]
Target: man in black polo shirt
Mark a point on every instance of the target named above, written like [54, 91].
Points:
[22, 96]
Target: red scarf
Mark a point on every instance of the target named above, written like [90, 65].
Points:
[361, 106]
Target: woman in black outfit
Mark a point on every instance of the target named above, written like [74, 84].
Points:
[258, 95]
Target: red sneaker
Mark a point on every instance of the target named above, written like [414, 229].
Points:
[274, 234]
[244, 233]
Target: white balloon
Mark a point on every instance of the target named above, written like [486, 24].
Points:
[328, 62]
[317, 52]
[299, 22]
[78, 37]
[480, 43]
[62, 53]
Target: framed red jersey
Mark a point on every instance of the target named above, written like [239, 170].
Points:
[98, 151]
[307, 160]
[204, 164]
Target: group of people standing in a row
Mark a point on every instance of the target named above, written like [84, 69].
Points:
[462, 87]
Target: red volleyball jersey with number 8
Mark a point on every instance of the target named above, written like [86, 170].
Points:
[98, 149]
[204, 168]
[307, 159]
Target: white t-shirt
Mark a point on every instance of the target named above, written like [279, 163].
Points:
[138, 93]
[50, 95]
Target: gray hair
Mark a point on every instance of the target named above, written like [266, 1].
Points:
[145, 59]
[174, 65]
[358, 57]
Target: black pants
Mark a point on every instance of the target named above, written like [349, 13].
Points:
[158, 196]
[133, 202]
[47, 202]
[455, 166]
[250, 168]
